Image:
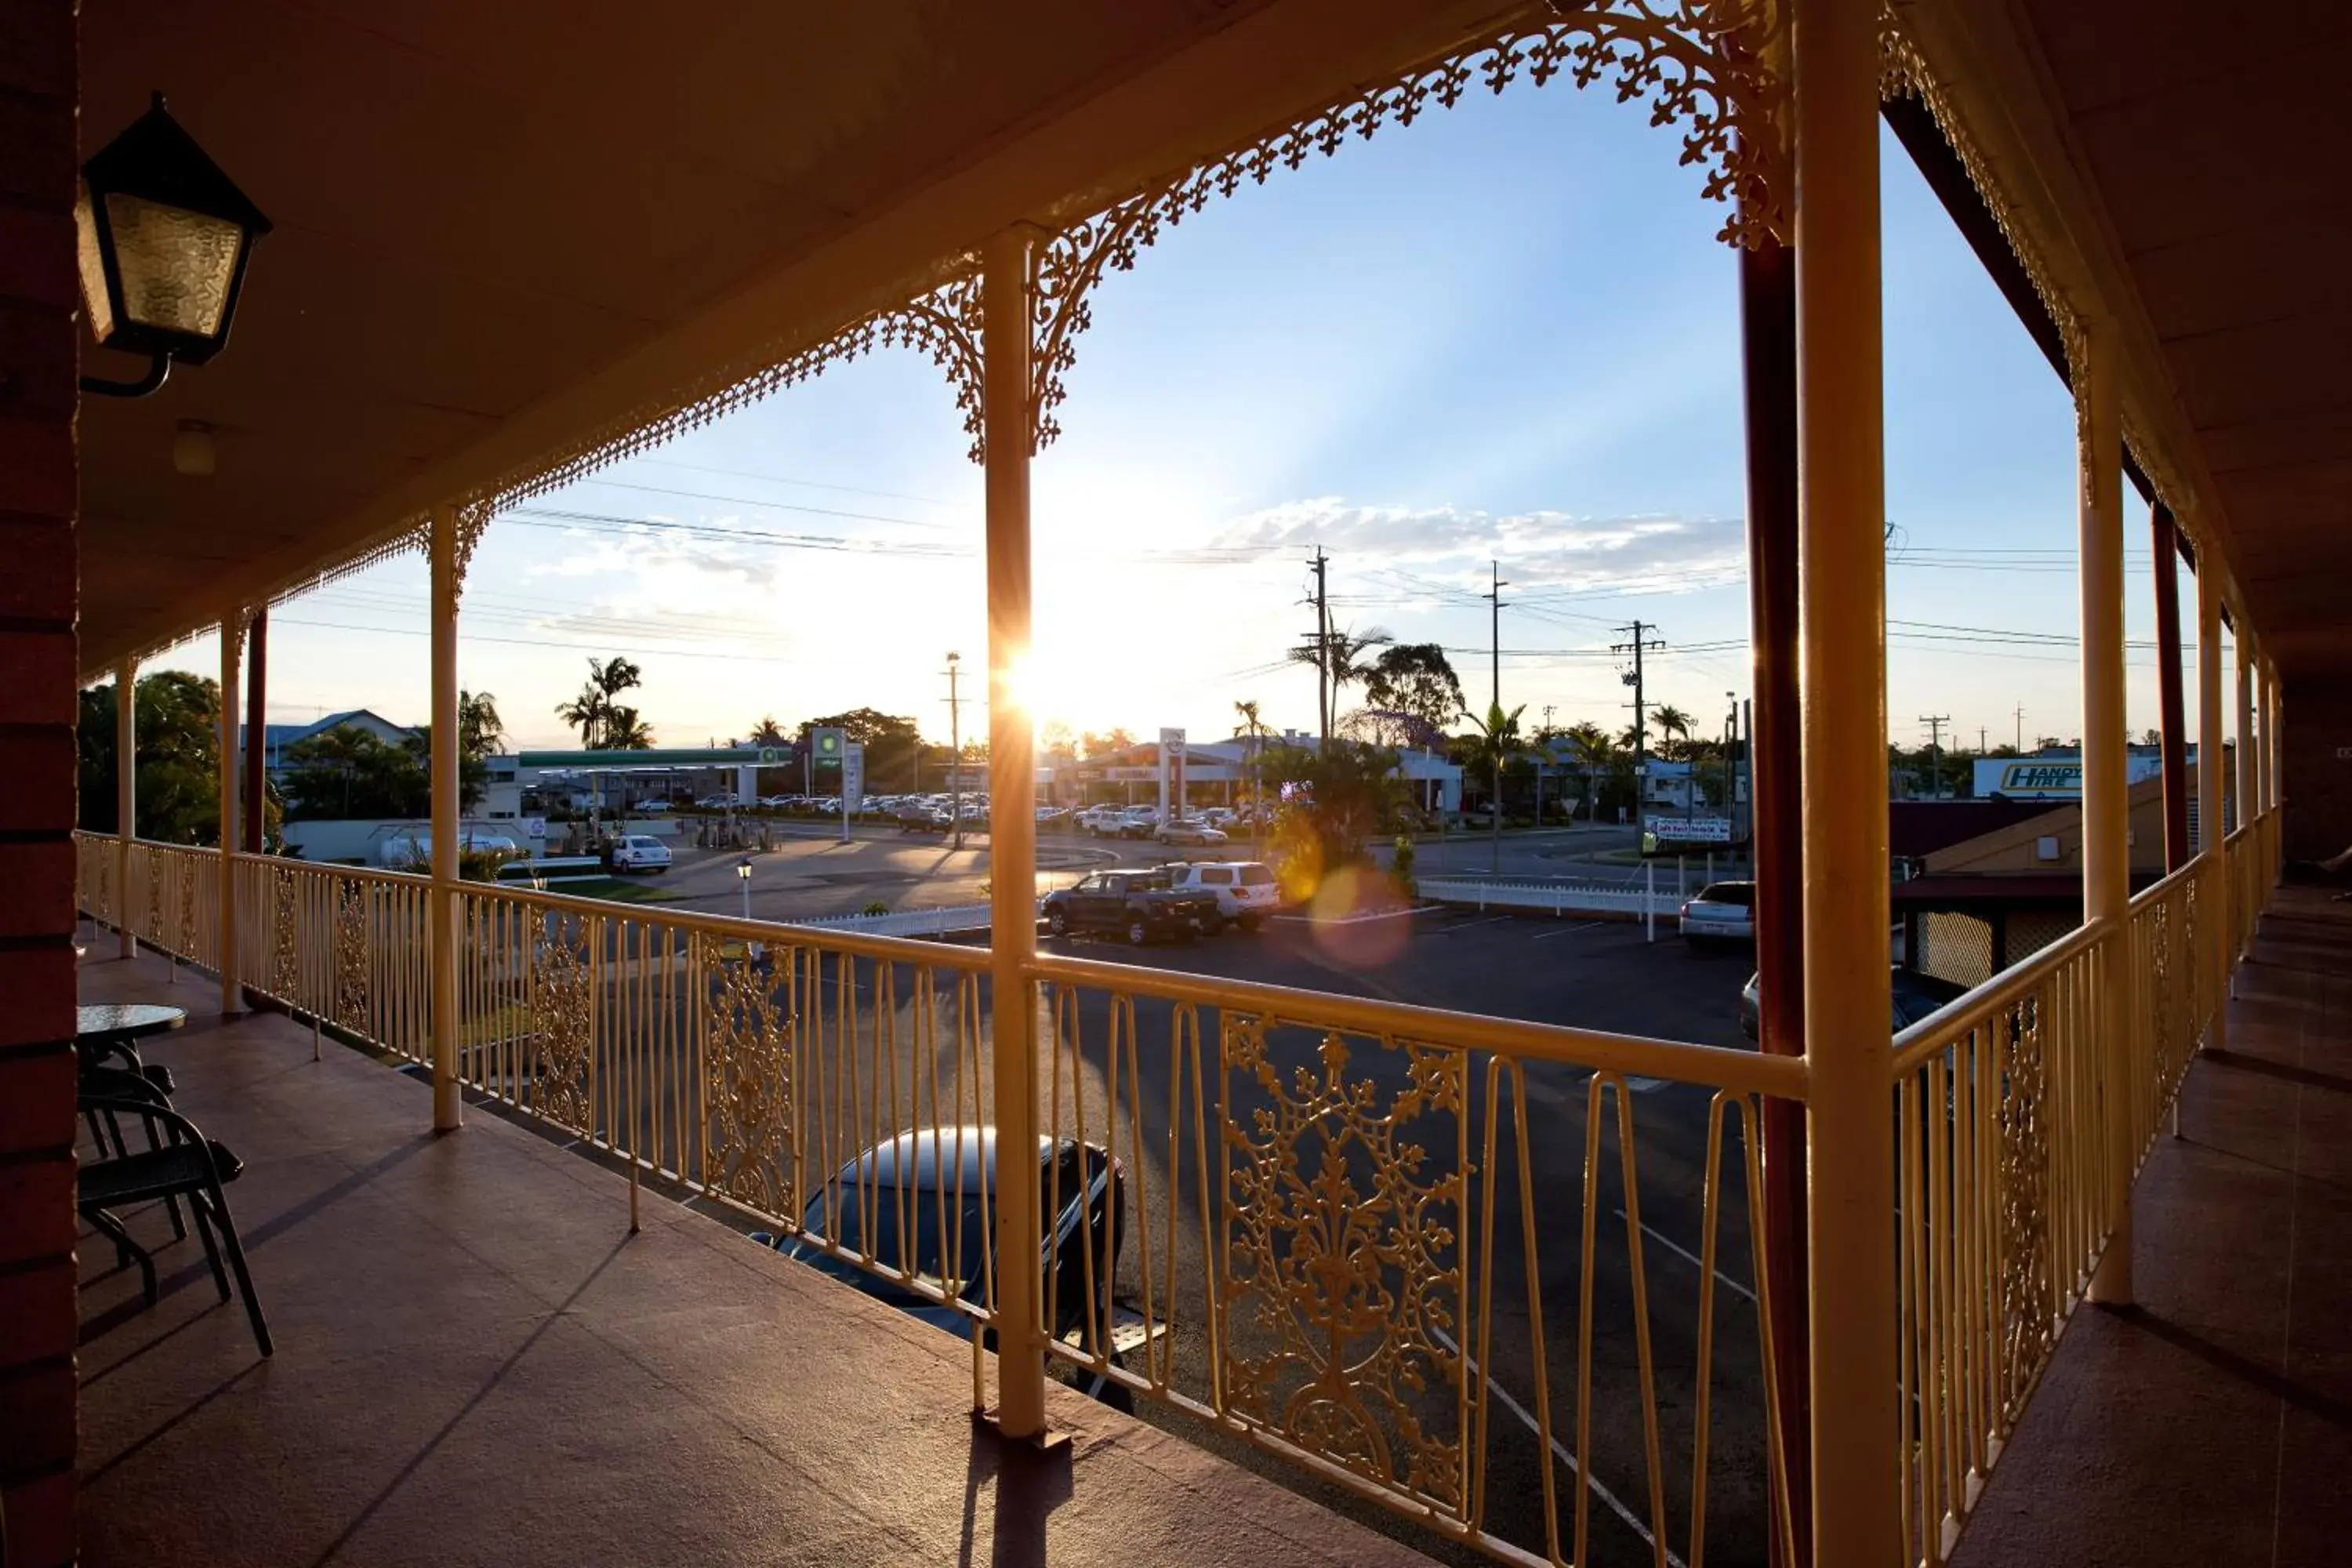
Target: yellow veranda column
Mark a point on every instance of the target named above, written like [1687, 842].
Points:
[1012, 832]
[232, 640]
[448, 1105]
[2106, 800]
[1843, 586]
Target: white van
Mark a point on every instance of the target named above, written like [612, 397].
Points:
[1247, 889]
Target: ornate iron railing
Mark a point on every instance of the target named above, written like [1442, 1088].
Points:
[341, 946]
[2004, 1201]
[170, 900]
[1498, 1276]
[1328, 1243]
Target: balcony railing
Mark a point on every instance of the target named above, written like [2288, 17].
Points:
[1458, 1265]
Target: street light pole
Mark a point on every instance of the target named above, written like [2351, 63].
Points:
[743, 881]
[955, 753]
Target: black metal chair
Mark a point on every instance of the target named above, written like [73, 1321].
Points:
[181, 1162]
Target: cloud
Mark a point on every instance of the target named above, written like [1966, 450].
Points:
[1451, 545]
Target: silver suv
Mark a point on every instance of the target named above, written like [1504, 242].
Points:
[1247, 891]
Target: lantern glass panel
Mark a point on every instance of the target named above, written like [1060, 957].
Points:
[176, 266]
[91, 259]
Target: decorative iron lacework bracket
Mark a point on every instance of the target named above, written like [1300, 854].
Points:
[1708, 67]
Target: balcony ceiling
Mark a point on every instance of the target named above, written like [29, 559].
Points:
[500, 228]
[2215, 155]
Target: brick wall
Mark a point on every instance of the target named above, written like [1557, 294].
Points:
[2315, 782]
[39, 486]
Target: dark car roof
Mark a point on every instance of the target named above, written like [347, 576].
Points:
[934, 1159]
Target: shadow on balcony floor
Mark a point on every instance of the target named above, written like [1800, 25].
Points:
[477, 1363]
[2212, 1422]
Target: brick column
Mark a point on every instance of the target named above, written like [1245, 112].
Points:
[39, 484]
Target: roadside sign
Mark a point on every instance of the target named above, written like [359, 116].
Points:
[1679, 832]
[853, 778]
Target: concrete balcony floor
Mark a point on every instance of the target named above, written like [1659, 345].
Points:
[476, 1362]
[2212, 1423]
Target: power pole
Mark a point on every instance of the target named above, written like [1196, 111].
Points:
[1495, 604]
[1934, 722]
[1980, 740]
[1641, 641]
[955, 750]
[2020, 729]
[1322, 652]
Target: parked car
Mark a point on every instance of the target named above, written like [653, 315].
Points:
[639, 852]
[1099, 820]
[944, 1181]
[1915, 996]
[716, 802]
[1187, 830]
[1138, 905]
[1723, 911]
[1247, 891]
[922, 819]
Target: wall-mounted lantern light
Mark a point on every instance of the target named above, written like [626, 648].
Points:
[163, 238]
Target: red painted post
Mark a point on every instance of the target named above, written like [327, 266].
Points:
[2166, 540]
[1768, 318]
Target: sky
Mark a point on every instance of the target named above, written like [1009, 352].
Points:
[1506, 334]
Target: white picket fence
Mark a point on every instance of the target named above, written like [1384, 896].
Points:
[953, 919]
[1556, 897]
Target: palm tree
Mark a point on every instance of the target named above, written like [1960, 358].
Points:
[592, 713]
[1341, 656]
[1497, 740]
[1671, 721]
[768, 733]
[1254, 730]
[1594, 752]
[481, 731]
[625, 731]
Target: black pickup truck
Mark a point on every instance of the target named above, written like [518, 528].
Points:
[1138, 905]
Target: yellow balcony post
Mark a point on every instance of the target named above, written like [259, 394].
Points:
[1011, 829]
[2107, 799]
[126, 798]
[448, 1108]
[1842, 571]
[232, 638]
[2215, 889]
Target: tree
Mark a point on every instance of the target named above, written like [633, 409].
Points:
[1253, 729]
[1093, 745]
[1496, 740]
[1596, 756]
[592, 711]
[768, 733]
[1673, 731]
[1341, 656]
[625, 731]
[481, 733]
[178, 719]
[1350, 793]
[348, 772]
[1057, 739]
[1417, 680]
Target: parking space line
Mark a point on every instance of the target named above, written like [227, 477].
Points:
[1559, 1449]
[1466, 925]
[1568, 930]
[1691, 1259]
